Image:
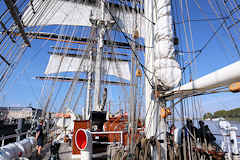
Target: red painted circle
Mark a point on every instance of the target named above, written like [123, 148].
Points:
[81, 139]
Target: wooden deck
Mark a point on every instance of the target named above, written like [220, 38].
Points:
[65, 152]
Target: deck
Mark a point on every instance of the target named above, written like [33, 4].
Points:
[65, 152]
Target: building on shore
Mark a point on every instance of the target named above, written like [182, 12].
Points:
[9, 113]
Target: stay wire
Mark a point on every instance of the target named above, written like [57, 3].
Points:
[201, 20]
[199, 51]
[142, 15]
[126, 37]
[228, 31]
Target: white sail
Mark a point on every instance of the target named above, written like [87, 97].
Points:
[61, 12]
[60, 63]
[161, 59]
[168, 72]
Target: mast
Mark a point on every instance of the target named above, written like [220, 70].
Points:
[133, 98]
[102, 24]
[149, 56]
[98, 69]
[132, 102]
[88, 100]
[152, 109]
[165, 71]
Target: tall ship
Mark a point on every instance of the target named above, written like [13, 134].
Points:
[130, 68]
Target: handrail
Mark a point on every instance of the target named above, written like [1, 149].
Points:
[112, 132]
[3, 138]
[219, 134]
[13, 136]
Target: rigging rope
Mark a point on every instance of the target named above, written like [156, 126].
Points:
[201, 20]
[204, 46]
[127, 38]
[227, 30]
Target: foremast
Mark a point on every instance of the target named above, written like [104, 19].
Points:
[97, 89]
[88, 108]
[102, 24]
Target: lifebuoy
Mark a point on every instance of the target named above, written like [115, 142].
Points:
[81, 139]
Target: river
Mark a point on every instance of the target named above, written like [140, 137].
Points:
[215, 129]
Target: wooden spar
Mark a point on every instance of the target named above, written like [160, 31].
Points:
[14, 12]
[63, 38]
[59, 40]
[83, 50]
[87, 56]
[70, 79]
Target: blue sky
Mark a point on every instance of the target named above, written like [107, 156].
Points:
[23, 90]
[218, 52]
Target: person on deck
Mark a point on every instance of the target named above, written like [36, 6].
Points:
[191, 128]
[201, 133]
[39, 137]
[210, 138]
[206, 137]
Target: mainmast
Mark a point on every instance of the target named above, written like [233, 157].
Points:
[165, 71]
[133, 89]
[152, 111]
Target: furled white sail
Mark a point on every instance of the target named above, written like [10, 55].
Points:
[62, 12]
[168, 71]
[160, 59]
[60, 63]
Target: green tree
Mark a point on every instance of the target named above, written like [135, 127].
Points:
[221, 113]
[208, 115]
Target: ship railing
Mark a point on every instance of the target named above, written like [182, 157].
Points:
[219, 134]
[228, 135]
[110, 132]
[121, 133]
[17, 136]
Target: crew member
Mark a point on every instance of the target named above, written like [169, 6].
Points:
[39, 137]
[201, 132]
[191, 128]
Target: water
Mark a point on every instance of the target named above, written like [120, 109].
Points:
[215, 129]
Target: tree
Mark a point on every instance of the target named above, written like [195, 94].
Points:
[221, 113]
[208, 115]
[233, 114]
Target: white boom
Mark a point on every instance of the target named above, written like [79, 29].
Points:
[220, 78]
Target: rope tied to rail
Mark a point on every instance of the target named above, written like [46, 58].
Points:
[143, 148]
